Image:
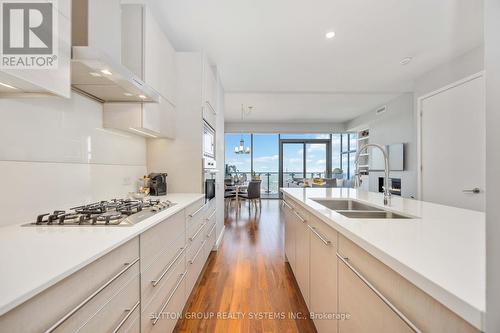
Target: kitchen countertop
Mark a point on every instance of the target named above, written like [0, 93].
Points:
[442, 251]
[35, 258]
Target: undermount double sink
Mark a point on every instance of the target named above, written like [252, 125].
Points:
[358, 210]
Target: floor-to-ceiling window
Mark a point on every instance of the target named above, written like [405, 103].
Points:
[266, 163]
[260, 158]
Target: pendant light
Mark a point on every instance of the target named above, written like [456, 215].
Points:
[241, 149]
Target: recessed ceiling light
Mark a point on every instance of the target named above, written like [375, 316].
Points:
[330, 34]
[406, 61]
[128, 94]
[7, 85]
[106, 71]
[95, 74]
[142, 96]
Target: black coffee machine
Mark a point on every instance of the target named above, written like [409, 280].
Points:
[158, 184]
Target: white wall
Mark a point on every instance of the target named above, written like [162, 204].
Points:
[492, 65]
[396, 125]
[55, 154]
[283, 127]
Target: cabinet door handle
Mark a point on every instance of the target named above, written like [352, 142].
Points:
[88, 299]
[129, 313]
[211, 215]
[211, 231]
[197, 253]
[169, 266]
[174, 289]
[378, 293]
[300, 217]
[287, 205]
[192, 238]
[475, 190]
[197, 211]
[320, 236]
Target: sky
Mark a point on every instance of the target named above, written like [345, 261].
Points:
[266, 153]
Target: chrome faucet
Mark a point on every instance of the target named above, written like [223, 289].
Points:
[357, 178]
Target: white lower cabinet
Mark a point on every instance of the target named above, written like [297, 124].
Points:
[323, 276]
[368, 313]
[347, 290]
[141, 286]
[289, 234]
[302, 254]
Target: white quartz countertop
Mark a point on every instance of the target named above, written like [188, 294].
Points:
[35, 258]
[442, 251]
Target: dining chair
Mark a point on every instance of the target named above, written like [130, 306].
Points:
[252, 194]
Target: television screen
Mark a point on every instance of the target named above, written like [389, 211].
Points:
[396, 158]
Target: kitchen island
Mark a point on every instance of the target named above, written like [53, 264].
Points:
[440, 250]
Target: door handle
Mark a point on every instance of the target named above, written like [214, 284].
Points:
[475, 190]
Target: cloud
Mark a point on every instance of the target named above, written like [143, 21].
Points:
[323, 136]
[320, 161]
[264, 159]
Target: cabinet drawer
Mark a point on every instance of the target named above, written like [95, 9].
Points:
[117, 314]
[156, 239]
[426, 313]
[195, 215]
[195, 263]
[161, 314]
[211, 238]
[65, 306]
[162, 268]
[368, 313]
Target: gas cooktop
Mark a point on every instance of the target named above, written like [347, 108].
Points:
[115, 212]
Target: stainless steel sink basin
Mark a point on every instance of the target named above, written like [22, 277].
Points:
[381, 214]
[346, 205]
[358, 210]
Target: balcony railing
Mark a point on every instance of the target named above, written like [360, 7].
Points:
[270, 180]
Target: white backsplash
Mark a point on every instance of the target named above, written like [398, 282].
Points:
[54, 153]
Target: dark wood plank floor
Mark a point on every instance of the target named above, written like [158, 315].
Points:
[248, 281]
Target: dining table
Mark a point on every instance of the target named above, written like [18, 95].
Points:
[238, 188]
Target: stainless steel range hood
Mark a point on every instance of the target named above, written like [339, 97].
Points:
[96, 75]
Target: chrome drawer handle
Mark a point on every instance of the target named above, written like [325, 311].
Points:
[192, 238]
[287, 205]
[169, 266]
[197, 253]
[320, 236]
[179, 281]
[129, 313]
[475, 190]
[88, 299]
[211, 231]
[199, 210]
[378, 293]
[211, 215]
[300, 217]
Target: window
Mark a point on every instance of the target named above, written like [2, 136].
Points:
[266, 162]
[348, 145]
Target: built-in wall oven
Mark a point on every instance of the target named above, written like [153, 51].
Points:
[209, 177]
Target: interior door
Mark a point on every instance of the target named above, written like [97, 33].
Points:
[453, 145]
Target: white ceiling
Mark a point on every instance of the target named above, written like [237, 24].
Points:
[279, 46]
[300, 107]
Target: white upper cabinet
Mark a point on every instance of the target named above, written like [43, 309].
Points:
[209, 93]
[48, 81]
[105, 27]
[146, 51]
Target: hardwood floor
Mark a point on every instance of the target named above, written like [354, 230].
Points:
[248, 281]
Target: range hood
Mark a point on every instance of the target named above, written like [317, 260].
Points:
[96, 75]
